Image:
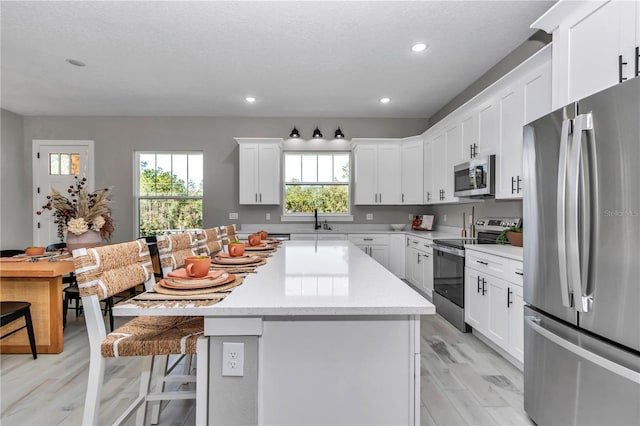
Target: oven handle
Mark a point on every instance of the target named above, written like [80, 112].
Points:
[450, 250]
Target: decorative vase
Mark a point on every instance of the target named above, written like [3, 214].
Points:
[87, 239]
[515, 238]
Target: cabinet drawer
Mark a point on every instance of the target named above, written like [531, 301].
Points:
[421, 244]
[513, 271]
[369, 240]
[332, 237]
[487, 263]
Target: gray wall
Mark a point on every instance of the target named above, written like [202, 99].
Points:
[116, 139]
[16, 213]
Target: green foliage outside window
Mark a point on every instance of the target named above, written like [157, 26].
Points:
[160, 214]
[327, 199]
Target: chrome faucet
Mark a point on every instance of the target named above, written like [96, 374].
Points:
[315, 214]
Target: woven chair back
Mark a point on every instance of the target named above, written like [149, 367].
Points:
[209, 241]
[108, 270]
[228, 233]
[175, 248]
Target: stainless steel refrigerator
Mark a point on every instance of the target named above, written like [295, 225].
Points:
[582, 261]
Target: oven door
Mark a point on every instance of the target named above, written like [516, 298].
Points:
[448, 274]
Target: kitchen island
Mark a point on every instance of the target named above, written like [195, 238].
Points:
[329, 337]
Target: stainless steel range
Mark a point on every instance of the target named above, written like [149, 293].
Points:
[448, 267]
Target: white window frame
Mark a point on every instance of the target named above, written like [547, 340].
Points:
[309, 217]
[136, 188]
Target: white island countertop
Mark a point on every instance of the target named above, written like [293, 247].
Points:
[312, 278]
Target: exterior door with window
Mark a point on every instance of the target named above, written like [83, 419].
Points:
[56, 164]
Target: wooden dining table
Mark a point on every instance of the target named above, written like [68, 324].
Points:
[39, 283]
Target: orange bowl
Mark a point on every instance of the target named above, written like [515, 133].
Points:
[34, 251]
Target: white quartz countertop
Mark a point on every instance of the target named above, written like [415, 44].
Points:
[348, 229]
[312, 278]
[504, 250]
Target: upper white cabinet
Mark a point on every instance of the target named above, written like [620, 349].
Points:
[595, 46]
[469, 134]
[489, 127]
[259, 176]
[412, 170]
[427, 171]
[377, 176]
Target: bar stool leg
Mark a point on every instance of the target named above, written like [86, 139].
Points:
[65, 308]
[32, 337]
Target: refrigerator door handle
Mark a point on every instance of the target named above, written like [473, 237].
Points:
[579, 216]
[561, 213]
[534, 324]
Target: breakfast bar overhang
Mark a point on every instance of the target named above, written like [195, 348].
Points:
[329, 337]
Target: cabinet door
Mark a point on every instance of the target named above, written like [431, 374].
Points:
[509, 162]
[516, 323]
[269, 174]
[439, 155]
[427, 273]
[537, 93]
[389, 179]
[412, 169]
[380, 254]
[428, 172]
[476, 311]
[469, 135]
[498, 324]
[595, 42]
[397, 255]
[418, 270]
[366, 174]
[454, 157]
[488, 128]
[248, 169]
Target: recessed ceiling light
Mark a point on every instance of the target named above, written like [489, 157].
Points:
[419, 47]
[76, 62]
[385, 100]
[250, 99]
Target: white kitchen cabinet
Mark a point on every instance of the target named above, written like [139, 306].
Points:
[494, 306]
[259, 170]
[427, 172]
[469, 134]
[331, 237]
[509, 161]
[446, 152]
[537, 92]
[476, 301]
[419, 264]
[375, 245]
[377, 176]
[397, 255]
[411, 170]
[594, 46]
[488, 127]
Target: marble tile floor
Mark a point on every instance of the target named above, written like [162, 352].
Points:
[464, 382]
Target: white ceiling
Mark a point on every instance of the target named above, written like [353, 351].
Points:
[299, 59]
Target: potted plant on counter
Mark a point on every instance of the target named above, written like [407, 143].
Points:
[513, 235]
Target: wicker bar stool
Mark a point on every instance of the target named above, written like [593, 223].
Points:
[102, 272]
[209, 241]
[174, 249]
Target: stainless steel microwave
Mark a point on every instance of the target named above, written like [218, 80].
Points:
[475, 178]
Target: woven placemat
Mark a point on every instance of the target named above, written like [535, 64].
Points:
[159, 289]
[151, 296]
[182, 302]
[226, 267]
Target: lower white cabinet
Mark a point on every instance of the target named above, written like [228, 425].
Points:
[397, 255]
[375, 245]
[334, 237]
[493, 302]
[419, 264]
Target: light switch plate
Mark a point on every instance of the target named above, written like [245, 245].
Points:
[233, 215]
[369, 216]
[267, 216]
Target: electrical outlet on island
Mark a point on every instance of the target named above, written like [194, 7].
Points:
[369, 216]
